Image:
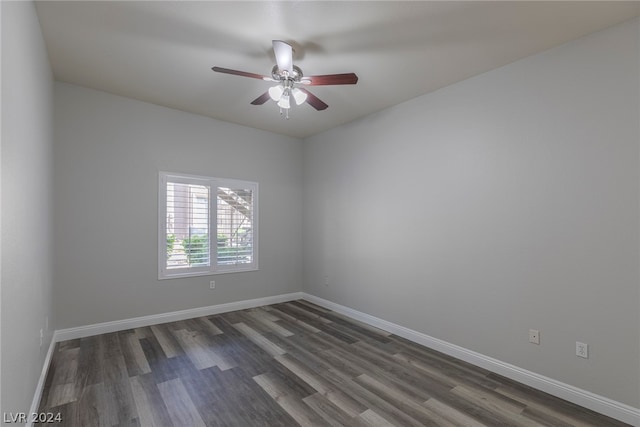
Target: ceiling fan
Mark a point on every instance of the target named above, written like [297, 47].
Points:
[289, 78]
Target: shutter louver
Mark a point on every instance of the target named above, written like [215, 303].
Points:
[187, 225]
[234, 226]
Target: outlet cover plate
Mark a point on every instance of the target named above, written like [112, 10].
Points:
[534, 336]
[582, 349]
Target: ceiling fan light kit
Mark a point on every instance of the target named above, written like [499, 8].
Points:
[288, 76]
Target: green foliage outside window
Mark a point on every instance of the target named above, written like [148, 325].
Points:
[171, 241]
[196, 248]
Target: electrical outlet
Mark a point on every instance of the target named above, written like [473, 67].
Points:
[534, 336]
[212, 284]
[326, 280]
[582, 349]
[41, 337]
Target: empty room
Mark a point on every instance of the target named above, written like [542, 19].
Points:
[426, 213]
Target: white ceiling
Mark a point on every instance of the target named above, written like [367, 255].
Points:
[162, 51]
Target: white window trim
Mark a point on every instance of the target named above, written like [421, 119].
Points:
[214, 268]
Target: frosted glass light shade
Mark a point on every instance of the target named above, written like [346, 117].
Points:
[276, 92]
[299, 96]
[284, 102]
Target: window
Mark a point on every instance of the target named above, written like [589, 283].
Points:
[206, 226]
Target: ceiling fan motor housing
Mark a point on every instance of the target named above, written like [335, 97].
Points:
[278, 75]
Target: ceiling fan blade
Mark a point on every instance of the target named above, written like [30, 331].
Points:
[314, 101]
[240, 73]
[284, 55]
[331, 79]
[261, 99]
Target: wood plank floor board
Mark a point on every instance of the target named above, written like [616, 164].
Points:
[150, 406]
[332, 414]
[339, 364]
[330, 340]
[117, 388]
[444, 372]
[89, 362]
[357, 331]
[390, 365]
[167, 341]
[259, 339]
[242, 351]
[296, 385]
[209, 326]
[416, 382]
[405, 402]
[507, 412]
[216, 347]
[263, 322]
[431, 387]
[346, 320]
[254, 360]
[316, 307]
[95, 411]
[297, 328]
[437, 364]
[132, 352]
[68, 413]
[563, 410]
[206, 392]
[304, 315]
[546, 418]
[337, 332]
[292, 405]
[119, 402]
[311, 310]
[158, 362]
[63, 385]
[260, 408]
[250, 321]
[372, 419]
[288, 364]
[383, 407]
[436, 358]
[181, 409]
[233, 317]
[69, 344]
[339, 398]
[294, 320]
[456, 417]
[367, 368]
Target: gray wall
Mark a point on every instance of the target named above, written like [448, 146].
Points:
[505, 202]
[27, 161]
[108, 152]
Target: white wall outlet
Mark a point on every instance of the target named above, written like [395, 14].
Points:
[534, 336]
[41, 337]
[582, 349]
[212, 284]
[326, 280]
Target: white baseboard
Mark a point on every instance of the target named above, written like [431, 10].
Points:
[154, 319]
[35, 403]
[600, 404]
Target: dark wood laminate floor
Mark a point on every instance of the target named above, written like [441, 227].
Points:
[284, 365]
